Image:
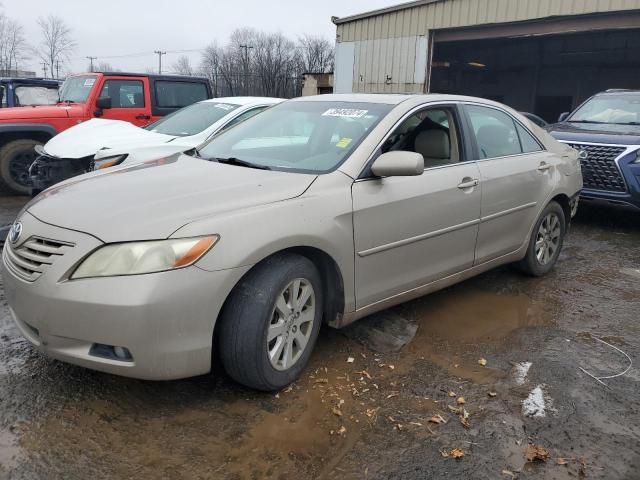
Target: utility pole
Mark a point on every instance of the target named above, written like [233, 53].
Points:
[159, 53]
[91, 59]
[246, 67]
[44, 69]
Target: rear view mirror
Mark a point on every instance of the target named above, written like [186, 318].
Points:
[398, 164]
[563, 116]
[103, 102]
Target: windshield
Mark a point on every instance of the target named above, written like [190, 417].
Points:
[36, 95]
[617, 109]
[77, 89]
[309, 137]
[192, 119]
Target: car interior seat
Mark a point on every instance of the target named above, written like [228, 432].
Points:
[434, 145]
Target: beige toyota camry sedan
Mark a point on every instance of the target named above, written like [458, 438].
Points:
[319, 210]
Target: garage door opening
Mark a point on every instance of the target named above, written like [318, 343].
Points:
[542, 74]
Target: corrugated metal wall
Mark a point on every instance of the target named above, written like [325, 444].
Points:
[387, 42]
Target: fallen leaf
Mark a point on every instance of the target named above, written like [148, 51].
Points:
[461, 401]
[444, 454]
[399, 427]
[342, 430]
[391, 367]
[536, 452]
[336, 411]
[322, 380]
[509, 472]
[561, 461]
[457, 453]
[465, 423]
[492, 394]
[416, 423]
[437, 419]
[482, 361]
[391, 395]
[452, 394]
[455, 410]
[365, 373]
[350, 360]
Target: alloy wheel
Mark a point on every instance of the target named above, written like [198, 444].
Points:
[19, 167]
[291, 324]
[548, 238]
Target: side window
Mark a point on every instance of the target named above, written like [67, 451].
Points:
[171, 94]
[495, 132]
[431, 132]
[528, 142]
[244, 116]
[124, 93]
[3, 98]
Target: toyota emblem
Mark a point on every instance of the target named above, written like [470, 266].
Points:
[15, 232]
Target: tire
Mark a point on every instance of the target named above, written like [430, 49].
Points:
[543, 251]
[252, 312]
[15, 159]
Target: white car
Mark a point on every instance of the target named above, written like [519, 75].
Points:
[103, 143]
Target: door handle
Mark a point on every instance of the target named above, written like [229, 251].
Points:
[544, 166]
[143, 117]
[468, 183]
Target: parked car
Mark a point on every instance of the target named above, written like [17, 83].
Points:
[605, 130]
[136, 98]
[105, 143]
[320, 209]
[27, 92]
[539, 121]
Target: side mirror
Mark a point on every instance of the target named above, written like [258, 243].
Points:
[563, 116]
[398, 164]
[103, 102]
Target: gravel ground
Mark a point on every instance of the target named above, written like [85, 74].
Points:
[382, 416]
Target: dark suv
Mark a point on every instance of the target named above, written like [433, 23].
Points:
[25, 92]
[606, 131]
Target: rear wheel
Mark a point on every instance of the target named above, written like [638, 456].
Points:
[546, 241]
[15, 159]
[271, 321]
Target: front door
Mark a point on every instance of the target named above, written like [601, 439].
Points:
[129, 100]
[410, 231]
[516, 180]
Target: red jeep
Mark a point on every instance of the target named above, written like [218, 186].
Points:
[136, 98]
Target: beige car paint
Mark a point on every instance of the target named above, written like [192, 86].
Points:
[413, 235]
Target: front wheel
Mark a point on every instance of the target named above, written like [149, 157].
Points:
[546, 241]
[15, 159]
[270, 323]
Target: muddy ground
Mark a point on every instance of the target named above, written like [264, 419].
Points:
[383, 416]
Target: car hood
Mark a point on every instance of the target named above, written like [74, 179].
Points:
[87, 138]
[596, 133]
[152, 200]
[16, 114]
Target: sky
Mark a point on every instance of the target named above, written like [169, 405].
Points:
[125, 33]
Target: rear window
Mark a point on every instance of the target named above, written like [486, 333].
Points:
[172, 94]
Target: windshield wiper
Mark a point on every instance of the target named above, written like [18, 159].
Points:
[240, 163]
[585, 121]
[629, 123]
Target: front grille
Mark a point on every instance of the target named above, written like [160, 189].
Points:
[31, 259]
[599, 169]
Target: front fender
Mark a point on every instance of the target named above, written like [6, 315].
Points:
[28, 127]
[321, 218]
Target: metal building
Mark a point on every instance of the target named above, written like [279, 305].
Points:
[541, 56]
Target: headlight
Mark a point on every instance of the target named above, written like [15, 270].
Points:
[108, 162]
[144, 257]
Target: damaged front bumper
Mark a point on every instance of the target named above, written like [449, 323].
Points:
[46, 170]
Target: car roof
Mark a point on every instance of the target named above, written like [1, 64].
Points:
[245, 100]
[619, 91]
[387, 98]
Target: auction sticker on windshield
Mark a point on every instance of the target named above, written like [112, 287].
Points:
[89, 82]
[345, 112]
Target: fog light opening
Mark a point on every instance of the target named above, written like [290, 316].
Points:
[111, 352]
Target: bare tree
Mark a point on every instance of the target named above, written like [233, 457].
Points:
[57, 42]
[317, 54]
[104, 67]
[13, 46]
[210, 66]
[182, 66]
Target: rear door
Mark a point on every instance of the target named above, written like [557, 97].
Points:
[410, 231]
[130, 100]
[516, 176]
[171, 94]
